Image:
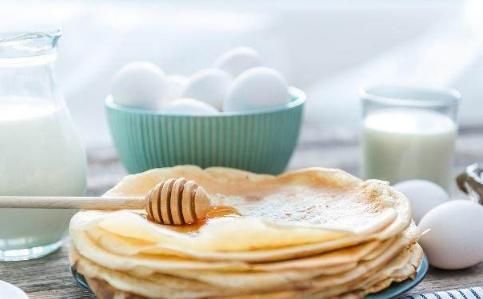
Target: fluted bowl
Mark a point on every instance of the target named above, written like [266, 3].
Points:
[260, 141]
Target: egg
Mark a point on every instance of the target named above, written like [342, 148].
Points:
[257, 88]
[454, 237]
[11, 291]
[176, 85]
[238, 60]
[140, 85]
[209, 86]
[187, 106]
[423, 195]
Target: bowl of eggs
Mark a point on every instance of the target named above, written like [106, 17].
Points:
[237, 114]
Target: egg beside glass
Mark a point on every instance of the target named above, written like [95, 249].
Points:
[453, 233]
[423, 196]
[452, 229]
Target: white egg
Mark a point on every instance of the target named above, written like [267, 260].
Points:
[11, 291]
[209, 86]
[423, 195]
[176, 85]
[257, 88]
[454, 238]
[139, 84]
[187, 106]
[238, 60]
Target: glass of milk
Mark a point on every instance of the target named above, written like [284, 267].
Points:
[409, 133]
[40, 152]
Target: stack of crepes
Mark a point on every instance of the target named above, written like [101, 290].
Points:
[313, 233]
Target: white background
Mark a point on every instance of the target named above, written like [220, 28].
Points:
[328, 48]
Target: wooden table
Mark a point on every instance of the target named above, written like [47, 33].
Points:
[50, 277]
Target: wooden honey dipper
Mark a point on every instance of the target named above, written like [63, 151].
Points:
[176, 201]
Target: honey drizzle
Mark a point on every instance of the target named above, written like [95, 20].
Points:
[214, 213]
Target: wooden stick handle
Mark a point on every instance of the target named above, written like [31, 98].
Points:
[85, 203]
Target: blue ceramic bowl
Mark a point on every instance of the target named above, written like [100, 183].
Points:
[260, 141]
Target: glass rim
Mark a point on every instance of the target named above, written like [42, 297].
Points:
[26, 44]
[9, 36]
[428, 96]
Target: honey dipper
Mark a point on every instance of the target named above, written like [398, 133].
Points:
[176, 201]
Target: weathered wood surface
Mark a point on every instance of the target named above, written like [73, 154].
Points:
[50, 277]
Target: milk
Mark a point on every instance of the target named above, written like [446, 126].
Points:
[40, 154]
[402, 144]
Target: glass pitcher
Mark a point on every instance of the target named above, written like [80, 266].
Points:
[40, 152]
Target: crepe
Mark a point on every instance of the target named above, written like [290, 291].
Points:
[148, 263]
[399, 268]
[313, 233]
[313, 197]
[330, 210]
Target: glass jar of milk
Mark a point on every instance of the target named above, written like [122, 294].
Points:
[40, 152]
[409, 133]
